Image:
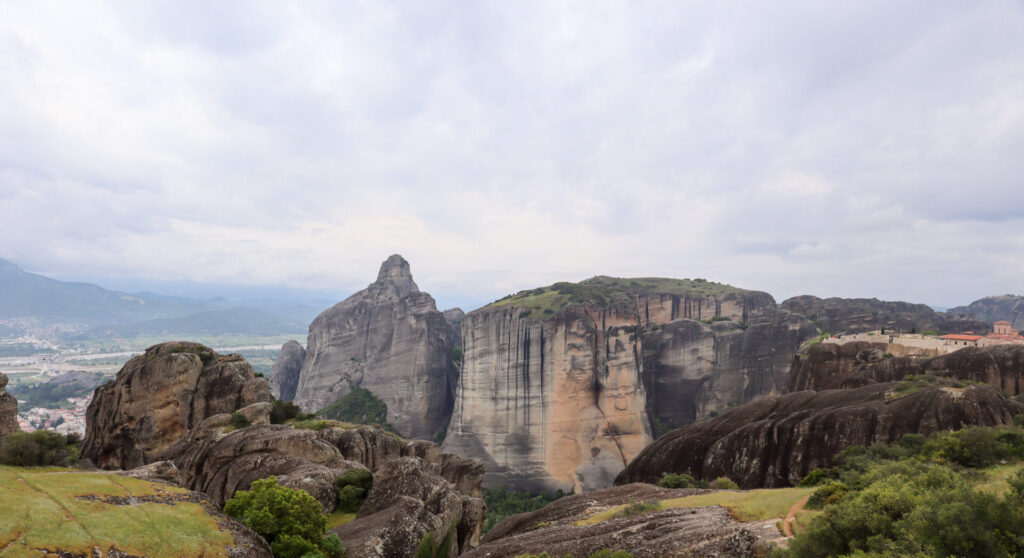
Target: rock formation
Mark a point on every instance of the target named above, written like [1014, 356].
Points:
[994, 308]
[391, 340]
[284, 376]
[161, 394]
[559, 385]
[408, 501]
[674, 532]
[855, 315]
[834, 365]
[8, 410]
[776, 441]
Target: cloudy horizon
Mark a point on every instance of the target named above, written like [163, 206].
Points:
[854, 149]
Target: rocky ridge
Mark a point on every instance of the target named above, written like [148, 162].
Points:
[842, 365]
[855, 315]
[391, 340]
[674, 532]
[8, 410]
[158, 396]
[776, 441]
[994, 308]
[560, 385]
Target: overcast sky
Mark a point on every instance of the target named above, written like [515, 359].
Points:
[850, 149]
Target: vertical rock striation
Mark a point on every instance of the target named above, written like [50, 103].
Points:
[560, 385]
[391, 340]
[8, 410]
[284, 376]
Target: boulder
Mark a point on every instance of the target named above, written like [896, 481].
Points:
[674, 532]
[8, 410]
[776, 441]
[409, 501]
[284, 376]
[158, 396]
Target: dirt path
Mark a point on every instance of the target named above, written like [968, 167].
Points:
[787, 524]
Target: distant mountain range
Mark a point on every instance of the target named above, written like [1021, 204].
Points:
[32, 300]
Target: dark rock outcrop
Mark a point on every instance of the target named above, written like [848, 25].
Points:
[8, 410]
[284, 376]
[833, 365]
[391, 340]
[408, 501]
[676, 532]
[994, 308]
[776, 441]
[159, 396]
[855, 315]
[560, 385]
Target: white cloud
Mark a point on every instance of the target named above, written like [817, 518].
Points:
[853, 149]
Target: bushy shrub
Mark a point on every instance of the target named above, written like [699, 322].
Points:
[238, 420]
[41, 448]
[352, 488]
[291, 521]
[359, 406]
[283, 411]
[637, 507]
[724, 483]
[503, 503]
[681, 480]
[818, 476]
[829, 493]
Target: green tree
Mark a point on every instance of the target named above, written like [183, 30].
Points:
[290, 520]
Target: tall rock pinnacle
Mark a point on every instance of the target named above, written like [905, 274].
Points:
[395, 272]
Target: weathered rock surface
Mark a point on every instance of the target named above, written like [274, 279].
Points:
[408, 501]
[161, 394]
[776, 441]
[391, 340]
[8, 410]
[833, 365]
[559, 385]
[855, 315]
[994, 308]
[679, 532]
[284, 376]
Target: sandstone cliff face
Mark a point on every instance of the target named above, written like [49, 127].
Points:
[391, 340]
[284, 376]
[559, 385]
[161, 394]
[994, 308]
[855, 315]
[679, 532]
[776, 441]
[8, 410]
[833, 365]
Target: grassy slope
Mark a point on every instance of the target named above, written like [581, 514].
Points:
[605, 289]
[745, 505]
[42, 509]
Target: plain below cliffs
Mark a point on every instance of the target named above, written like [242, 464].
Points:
[562, 386]
[390, 339]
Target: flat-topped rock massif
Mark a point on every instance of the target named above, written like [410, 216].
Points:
[8, 410]
[776, 441]
[842, 365]
[855, 315]
[391, 340]
[560, 385]
[161, 394]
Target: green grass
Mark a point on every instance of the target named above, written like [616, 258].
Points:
[913, 384]
[995, 479]
[744, 505]
[42, 508]
[608, 290]
[339, 518]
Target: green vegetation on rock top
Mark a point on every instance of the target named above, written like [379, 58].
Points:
[59, 509]
[605, 291]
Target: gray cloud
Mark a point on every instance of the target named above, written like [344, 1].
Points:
[854, 149]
